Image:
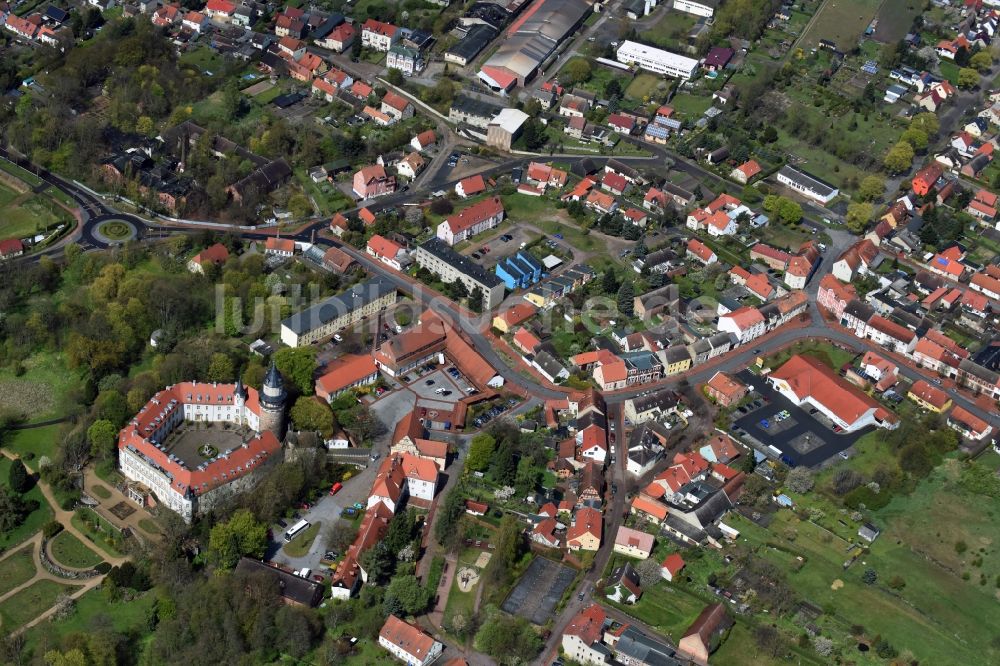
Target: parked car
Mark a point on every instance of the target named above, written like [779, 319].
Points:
[429, 382]
[764, 423]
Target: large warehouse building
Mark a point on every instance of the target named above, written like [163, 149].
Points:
[531, 39]
[656, 60]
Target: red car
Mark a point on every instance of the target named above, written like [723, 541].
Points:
[423, 411]
[612, 438]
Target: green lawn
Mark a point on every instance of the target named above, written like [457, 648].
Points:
[31, 602]
[671, 31]
[666, 608]
[26, 214]
[103, 540]
[42, 441]
[740, 649]
[829, 354]
[642, 87]
[43, 391]
[35, 519]
[17, 569]
[100, 491]
[149, 526]
[301, 544]
[19, 173]
[70, 551]
[689, 106]
[129, 617]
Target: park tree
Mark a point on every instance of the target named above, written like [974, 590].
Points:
[968, 78]
[577, 71]
[221, 368]
[310, 414]
[442, 206]
[609, 281]
[981, 61]
[613, 89]
[13, 509]
[626, 298]
[927, 122]
[871, 188]
[297, 364]
[507, 638]
[800, 480]
[405, 596]
[18, 478]
[102, 436]
[449, 513]
[241, 535]
[858, 216]
[395, 76]
[480, 452]
[916, 137]
[111, 405]
[899, 158]
[533, 134]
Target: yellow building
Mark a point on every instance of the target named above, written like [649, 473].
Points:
[929, 397]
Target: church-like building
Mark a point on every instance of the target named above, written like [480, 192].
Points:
[192, 483]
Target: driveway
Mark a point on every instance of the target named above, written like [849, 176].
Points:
[802, 438]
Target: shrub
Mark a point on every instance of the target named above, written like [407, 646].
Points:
[69, 502]
[961, 546]
[52, 528]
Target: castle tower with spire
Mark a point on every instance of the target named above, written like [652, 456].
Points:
[272, 403]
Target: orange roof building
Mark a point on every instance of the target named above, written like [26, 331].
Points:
[929, 397]
[725, 390]
[514, 316]
[408, 643]
[804, 379]
[344, 373]
[586, 530]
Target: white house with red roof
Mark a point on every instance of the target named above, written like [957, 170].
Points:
[378, 35]
[193, 482]
[404, 477]
[11, 247]
[671, 566]
[745, 323]
[581, 640]
[220, 10]
[424, 140]
[468, 222]
[703, 253]
[396, 106]
[279, 247]
[389, 252]
[745, 172]
[407, 643]
[592, 442]
[340, 38]
[471, 186]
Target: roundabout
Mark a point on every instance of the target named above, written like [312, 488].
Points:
[114, 231]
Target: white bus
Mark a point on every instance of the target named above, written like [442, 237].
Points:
[295, 529]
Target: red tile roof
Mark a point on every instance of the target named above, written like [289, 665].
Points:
[929, 394]
[474, 214]
[406, 637]
[809, 377]
[473, 185]
[700, 250]
[648, 505]
[892, 329]
[588, 624]
[673, 563]
[726, 385]
[518, 313]
[344, 372]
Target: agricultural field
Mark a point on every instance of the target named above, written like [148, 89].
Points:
[895, 18]
[27, 214]
[936, 567]
[842, 22]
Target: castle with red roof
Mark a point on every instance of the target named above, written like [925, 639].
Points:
[163, 470]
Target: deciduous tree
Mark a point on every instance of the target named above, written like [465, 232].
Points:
[102, 436]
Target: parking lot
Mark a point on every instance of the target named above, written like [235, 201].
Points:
[803, 438]
[326, 511]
